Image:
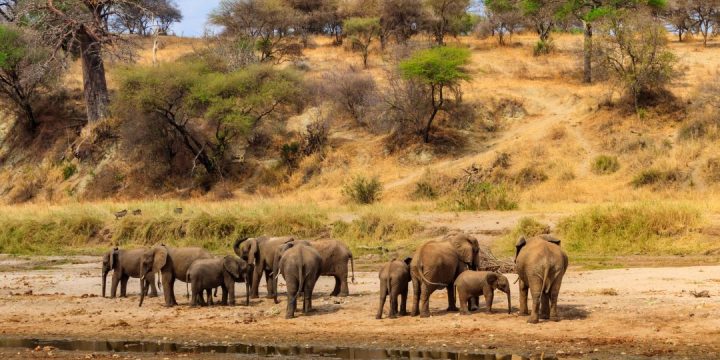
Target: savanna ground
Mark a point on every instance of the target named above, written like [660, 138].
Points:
[637, 252]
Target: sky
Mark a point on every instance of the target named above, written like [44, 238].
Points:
[195, 14]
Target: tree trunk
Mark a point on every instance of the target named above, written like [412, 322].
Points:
[30, 115]
[436, 109]
[94, 84]
[587, 53]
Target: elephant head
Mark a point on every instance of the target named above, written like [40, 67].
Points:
[236, 267]
[500, 282]
[467, 248]
[151, 261]
[522, 242]
[407, 261]
[109, 261]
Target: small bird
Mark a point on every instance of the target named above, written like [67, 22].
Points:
[178, 210]
[137, 212]
[120, 214]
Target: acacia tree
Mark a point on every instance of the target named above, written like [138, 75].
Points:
[133, 19]
[437, 69]
[443, 15]
[400, 19]
[362, 31]
[542, 16]
[678, 16]
[590, 11]
[504, 17]
[268, 24]
[706, 14]
[24, 68]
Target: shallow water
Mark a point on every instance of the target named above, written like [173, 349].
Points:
[248, 349]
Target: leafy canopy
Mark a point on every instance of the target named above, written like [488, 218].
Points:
[437, 66]
[12, 48]
[361, 25]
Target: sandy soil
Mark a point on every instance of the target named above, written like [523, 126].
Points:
[605, 313]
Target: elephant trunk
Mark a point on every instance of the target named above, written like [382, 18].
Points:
[509, 303]
[145, 286]
[236, 246]
[104, 281]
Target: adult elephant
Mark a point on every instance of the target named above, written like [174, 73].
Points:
[541, 265]
[436, 264]
[124, 264]
[335, 256]
[260, 255]
[172, 263]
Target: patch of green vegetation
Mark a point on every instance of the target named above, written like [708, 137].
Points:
[376, 233]
[69, 170]
[528, 227]
[654, 229]
[477, 196]
[362, 190]
[658, 177]
[605, 164]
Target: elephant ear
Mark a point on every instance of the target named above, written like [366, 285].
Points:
[408, 260]
[492, 279]
[159, 258]
[232, 266]
[519, 245]
[551, 239]
[113, 257]
[252, 253]
[464, 247]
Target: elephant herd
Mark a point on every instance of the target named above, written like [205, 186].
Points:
[451, 263]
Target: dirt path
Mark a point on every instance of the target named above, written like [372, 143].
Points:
[636, 312]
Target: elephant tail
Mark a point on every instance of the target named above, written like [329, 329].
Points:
[352, 267]
[546, 282]
[187, 284]
[301, 275]
[424, 279]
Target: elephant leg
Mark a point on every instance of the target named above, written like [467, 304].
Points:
[269, 284]
[425, 293]
[417, 287]
[474, 303]
[393, 302]
[465, 302]
[336, 288]
[208, 293]
[114, 284]
[344, 289]
[383, 296]
[523, 297]
[153, 288]
[451, 297]
[535, 292]
[403, 301]
[489, 297]
[230, 290]
[554, 292]
[545, 305]
[123, 285]
[167, 288]
[292, 290]
[257, 274]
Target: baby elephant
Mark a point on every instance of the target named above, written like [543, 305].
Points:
[394, 279]
[207, 274]
[472, 284]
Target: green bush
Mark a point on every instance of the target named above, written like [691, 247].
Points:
[605, 164]
[424, 190]
[68, 171]
[658, 177]
[543, 48]
[625, 230]
[476, 196]
[530, 175]
[526, 226]
[362, 190]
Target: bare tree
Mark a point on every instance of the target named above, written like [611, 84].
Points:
[141, 20]
[80, 27]
[400, 19]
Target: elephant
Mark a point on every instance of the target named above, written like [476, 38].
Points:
[260, 254]
[394, 278]
[173, 263]
[436, 264]
[300, 266]
[125, 264]
[334, 255]
[208, 274]
[471, 284]
[540, 265]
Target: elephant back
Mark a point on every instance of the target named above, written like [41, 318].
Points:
[436, 261]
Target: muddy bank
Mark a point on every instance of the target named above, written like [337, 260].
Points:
[606, 314]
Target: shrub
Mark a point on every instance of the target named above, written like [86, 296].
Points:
[69, 170]
[658, 177]
[638, 229]
[530, 175]
[605, 164]
[476, 196]
[362, 190]
[526, 226]
[375, 232]
[354, 92]
[290, 154]
[543, 47]
[424, 190]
